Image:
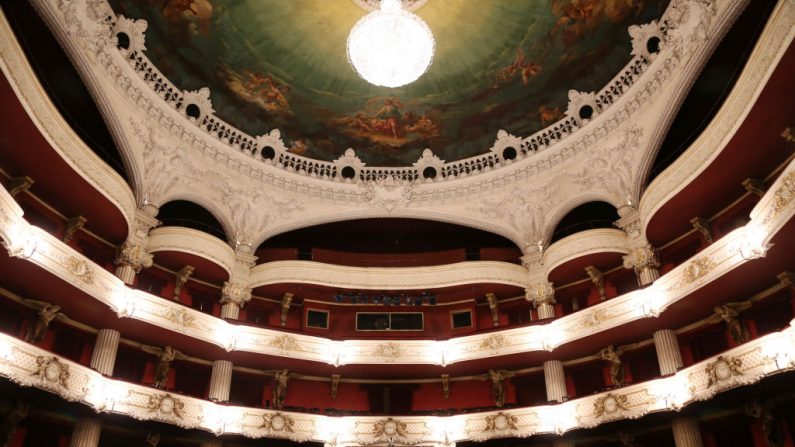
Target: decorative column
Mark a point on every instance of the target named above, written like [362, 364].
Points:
[642, 256]
[220, 381]
[555, 381]
[235, 293]
[86, 433]
[645, 263]
[131, 256]
[542, 295]
[233, 298]
[669, 356]
[686, 433]
[103, 358]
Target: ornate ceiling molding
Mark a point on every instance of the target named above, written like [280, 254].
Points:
[724, 255]
[596, 148]
[749, 363]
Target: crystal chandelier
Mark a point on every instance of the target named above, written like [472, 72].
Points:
[390, 46]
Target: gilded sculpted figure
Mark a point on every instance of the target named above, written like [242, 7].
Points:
[730, 313]
[497, 378]
[613, 356]
[280, 387]
[37, 330]
[164, 358]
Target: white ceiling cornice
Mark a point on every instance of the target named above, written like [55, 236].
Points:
[171, 158]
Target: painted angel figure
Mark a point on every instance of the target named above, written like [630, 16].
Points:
[47, 312]
[730, 313]
[164, 358]
[613, 356]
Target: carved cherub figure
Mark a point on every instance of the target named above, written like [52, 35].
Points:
[47, 312]
[613, 356]
[730, 313]
[280, 387]
[164, 358]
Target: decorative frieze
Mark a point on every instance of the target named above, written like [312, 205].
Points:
[30, 366]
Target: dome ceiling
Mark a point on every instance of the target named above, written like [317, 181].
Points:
[272, 64]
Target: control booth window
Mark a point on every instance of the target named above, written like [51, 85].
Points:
[389, 321]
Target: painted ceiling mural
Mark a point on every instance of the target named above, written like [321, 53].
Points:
[499, 64]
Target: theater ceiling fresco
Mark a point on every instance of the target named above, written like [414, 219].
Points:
[276, 64]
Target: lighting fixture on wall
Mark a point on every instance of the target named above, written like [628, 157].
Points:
[391, 47]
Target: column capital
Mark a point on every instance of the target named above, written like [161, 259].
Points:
[641, 259]
[134, 256]
[630, 221]
[234, 293]
[541, 293]
[144, 221]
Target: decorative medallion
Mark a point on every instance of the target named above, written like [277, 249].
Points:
[389, 428]
[784, 195]
[79, 269]
[180, 317]
[388, 350]
[494, 342]
[698, 269]
[166, 404]
[609, 404]
[286, 343]
[50, 369]
[723, 369]
[277, 422]
[501, 422]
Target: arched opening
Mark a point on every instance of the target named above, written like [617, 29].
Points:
[713, 86]
[181, 213]
[389, 243]
[62, 82]
[587, 216]
[348, 172]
